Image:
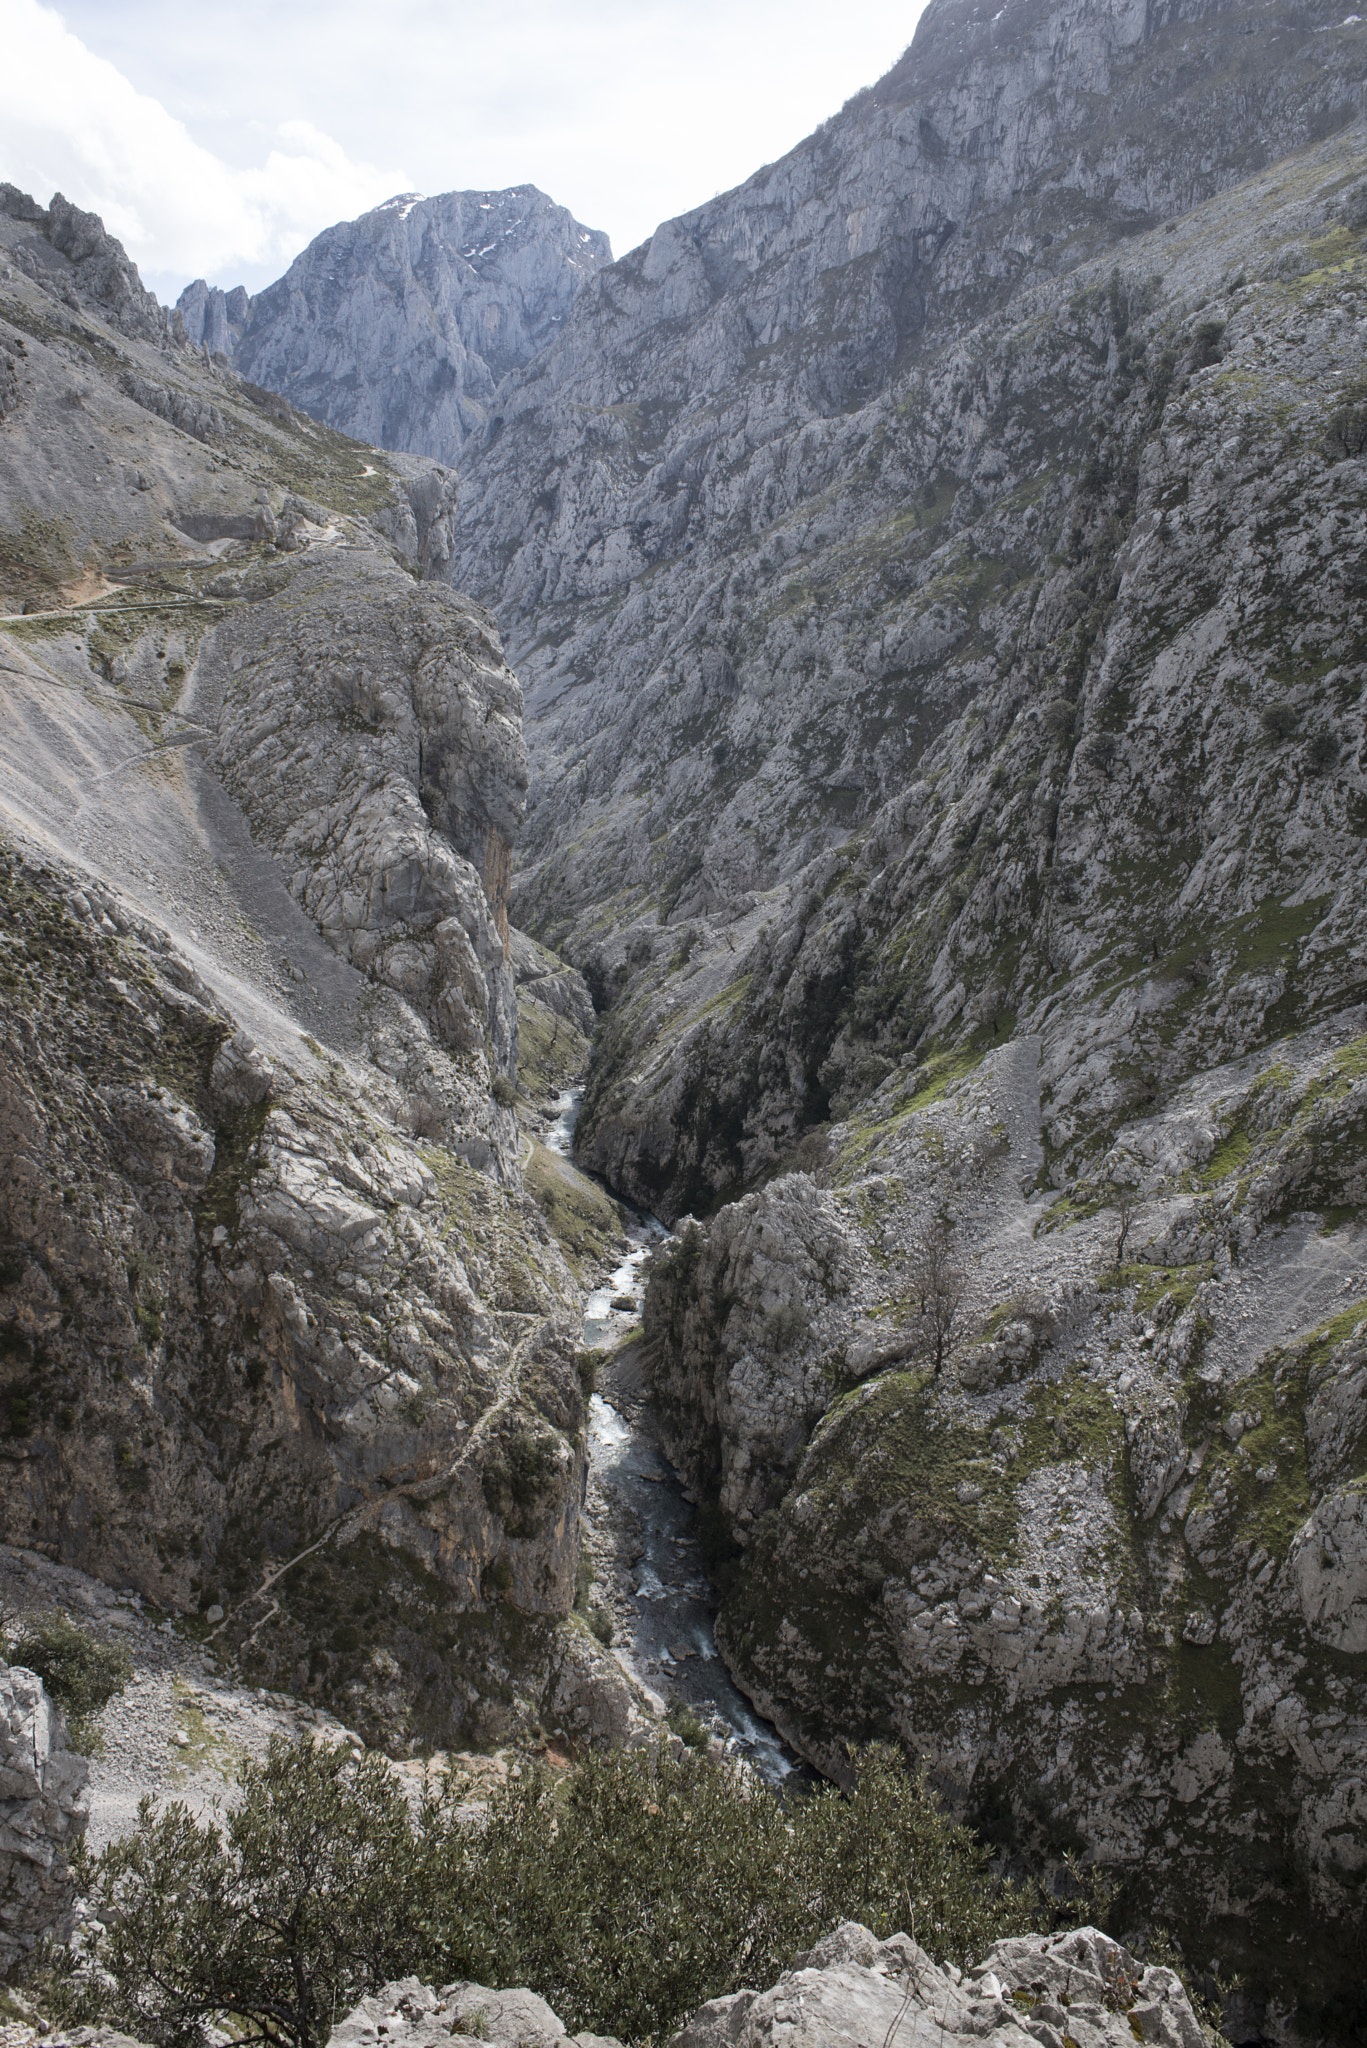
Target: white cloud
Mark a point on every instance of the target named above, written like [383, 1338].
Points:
[205, 135]
[70, 121]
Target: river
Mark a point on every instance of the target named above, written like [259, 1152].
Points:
[644, 1531]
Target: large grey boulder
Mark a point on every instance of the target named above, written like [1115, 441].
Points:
[44, 1807]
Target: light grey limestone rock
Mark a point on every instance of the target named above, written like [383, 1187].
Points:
[44, 1806]
[213, 319]
[314, 1325]
[677, 481]
[550, 981]
[375, 746]
[398, 327]
[241, 1074]
[853, 1991]
[834, 534]
[420, 519]
[82, 263]
[849, 1991]
[409, 2014]
[1329, 1564]
[1124, 1483]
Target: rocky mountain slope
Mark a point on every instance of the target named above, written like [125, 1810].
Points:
[397, 327]
[939, 617]
[286, 1346]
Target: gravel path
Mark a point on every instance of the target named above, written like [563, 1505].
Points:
[182, 1725]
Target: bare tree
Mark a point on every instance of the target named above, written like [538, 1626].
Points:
[1124, 1206]
[938, 1284]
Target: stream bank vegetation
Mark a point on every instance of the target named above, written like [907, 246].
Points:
[626, 1893]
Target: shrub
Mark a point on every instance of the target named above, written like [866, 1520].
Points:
[1280, 721]
[1101, 752]
[1323, 751]
[504, 1090]
[518, 1477]
[1060, 719]
[281, 1917]
[785, 1326]
[81, 1674]
[1346, 433]
[686, 1725]
[936, 1286]
[655, 1884]
[626, 1895]
[1206, 344]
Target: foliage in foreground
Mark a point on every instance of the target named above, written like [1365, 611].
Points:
[81, 1674]
[626, 1894]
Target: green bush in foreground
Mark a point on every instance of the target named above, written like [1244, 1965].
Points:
[280, 1915]
[626, 1894]
[81, 1674]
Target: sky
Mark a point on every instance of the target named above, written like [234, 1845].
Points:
[216, 141]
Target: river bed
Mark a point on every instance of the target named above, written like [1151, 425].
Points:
[642, 1531]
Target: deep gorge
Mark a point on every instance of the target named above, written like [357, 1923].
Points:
[870, 687]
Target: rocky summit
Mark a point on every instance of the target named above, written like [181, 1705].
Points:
[398, 327]
[928, 818]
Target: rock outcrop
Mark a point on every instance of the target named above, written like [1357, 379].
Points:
[412, 2015]
[211, 318]
[1103, 1570]
[850, 1991]
[398, 327]
[44, 1806]
[858, 1992]
[286, 1346]
[69, 253]
[373, 737]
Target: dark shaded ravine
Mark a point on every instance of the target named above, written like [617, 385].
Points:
[663, 1605]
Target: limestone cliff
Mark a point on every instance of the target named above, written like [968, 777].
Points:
[397, 327]
[44, 1807]
[285, 1344]
[934, 571]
